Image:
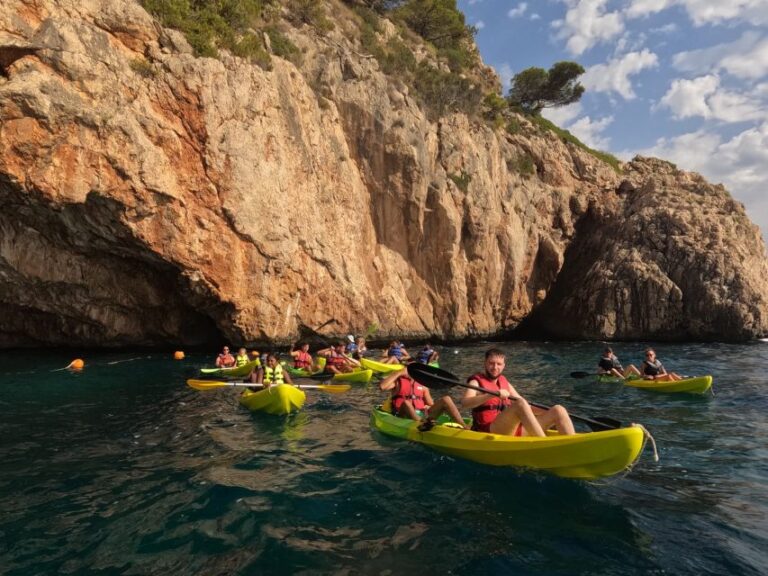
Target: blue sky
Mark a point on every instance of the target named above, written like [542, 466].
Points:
[683, 80]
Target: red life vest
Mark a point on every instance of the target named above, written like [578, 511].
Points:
[484, 415]
[336, 360]
[407, 389]
[303, 360]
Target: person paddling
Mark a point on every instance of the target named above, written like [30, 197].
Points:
[336, 361]
[653, 369]
[396, 353]
[509, 414]
[302, 359]
[609, 364]
[225, 359]
[410, 399]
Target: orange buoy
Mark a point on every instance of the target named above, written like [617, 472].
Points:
[178, 355]
[77, 364]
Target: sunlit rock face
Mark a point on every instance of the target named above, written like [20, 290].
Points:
[150, 197]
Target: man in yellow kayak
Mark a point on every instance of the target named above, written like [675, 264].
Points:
[410, 399]
[509, 414]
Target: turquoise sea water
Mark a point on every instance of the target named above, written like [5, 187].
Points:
[122, 469]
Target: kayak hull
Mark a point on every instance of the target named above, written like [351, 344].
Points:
[586, 456]
[277, 399]
[355, 377]
[237, 372]
[697, 385]
[380, 367]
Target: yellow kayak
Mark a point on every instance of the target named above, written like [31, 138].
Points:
[277, 399]
[697, 385]
[586, 455]
[357, 376]
[380, 367]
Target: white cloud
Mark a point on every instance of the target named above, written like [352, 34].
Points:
[591, 131]
[562, 115]
[535, 16]
[739, 163]
[642, 8]
[479, 24]
[704, 96]
[519, 11]
[702, 12]
[688, 98]
[586, 24]
[505, 73]
[614, 75]
[724, 56]
[751, 65]
[585, 129]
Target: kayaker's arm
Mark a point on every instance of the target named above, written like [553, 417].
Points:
[324, 352]
[390, 381]
[351, 360]
[428, 397]
[287, 377]
[473, 398]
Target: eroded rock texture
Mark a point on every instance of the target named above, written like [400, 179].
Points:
[150, 197]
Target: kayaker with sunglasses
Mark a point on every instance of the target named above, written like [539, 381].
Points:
[653, 369]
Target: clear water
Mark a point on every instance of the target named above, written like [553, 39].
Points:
[122, 469]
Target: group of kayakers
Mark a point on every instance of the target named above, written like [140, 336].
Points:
[652, 368]
[500, 410]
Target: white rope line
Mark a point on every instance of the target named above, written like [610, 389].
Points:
[646, 437]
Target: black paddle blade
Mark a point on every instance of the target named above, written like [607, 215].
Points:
[610, 423]
[581, 374]
[432, 377]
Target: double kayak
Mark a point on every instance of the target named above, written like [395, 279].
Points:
[277, 399]
[356, 376]
[236, 372]
[587, 455]
[696, 385]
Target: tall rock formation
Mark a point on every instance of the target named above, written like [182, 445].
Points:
[151, 197]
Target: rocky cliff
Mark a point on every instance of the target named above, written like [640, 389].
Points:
[150, 197]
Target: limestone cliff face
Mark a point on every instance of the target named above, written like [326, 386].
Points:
[150, 197]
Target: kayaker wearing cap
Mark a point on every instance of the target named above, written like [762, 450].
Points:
[609, 364]
[510, 414]
[653, 369]
[225, 359]
[396, 353]
[271, 373]
[336, 361]
[410, 399]
[351, 347]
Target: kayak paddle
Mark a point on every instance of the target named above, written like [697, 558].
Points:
[433, 377]
[578, 374]
[213, 384]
